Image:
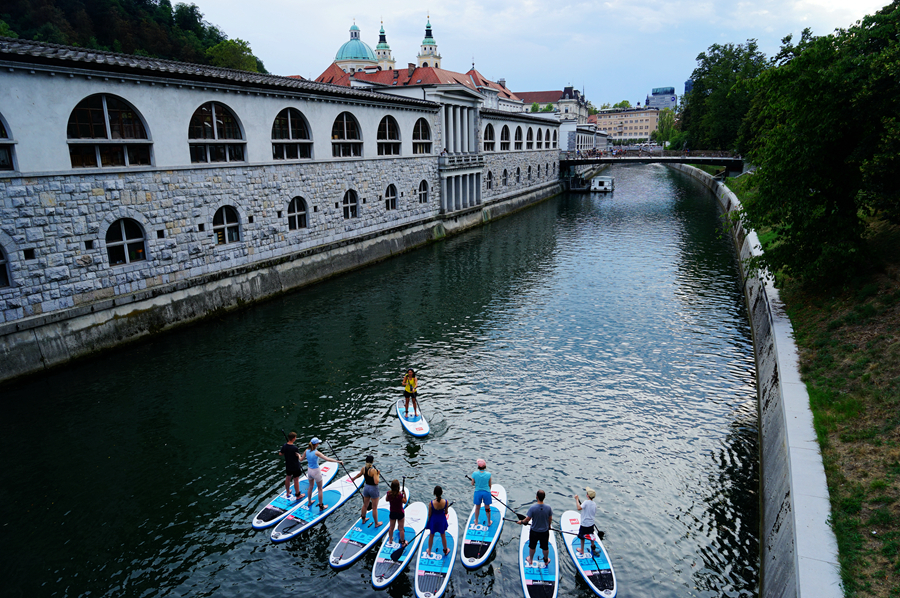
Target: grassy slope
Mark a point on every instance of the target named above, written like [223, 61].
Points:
[849, 342]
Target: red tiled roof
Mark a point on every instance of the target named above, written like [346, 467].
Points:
[334, 75]
[592, 119]
[481, 81]
[541, 97]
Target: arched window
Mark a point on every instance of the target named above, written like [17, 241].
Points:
[290, 136]
[390, 198]
[213, 132]
[421, 137]
[540, 139]
[505, 178]
[547, 139]
[504, 138]
[529, 173]
[489, 138]
[226, 225]
[351, 204]
[489, 181]
[388, 137]
[547, 169]
[539, 171]
[529, 139]
[4, 269]
[125, 242]
[518, 175]
[423, 192]
[345, 139]
[554, 140]
[297, 213]
[518, 138]
[97, 130]
[6, 153]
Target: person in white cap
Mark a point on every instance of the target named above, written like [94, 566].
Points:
[313, 473]
[588, 510]
[481, 479]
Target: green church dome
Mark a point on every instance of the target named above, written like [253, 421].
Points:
[355, 49]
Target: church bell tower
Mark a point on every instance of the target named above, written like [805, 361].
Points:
[428, 55]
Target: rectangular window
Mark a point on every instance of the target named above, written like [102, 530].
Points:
[198, 153]
[388, 149]
[83, 156]
[5, 158]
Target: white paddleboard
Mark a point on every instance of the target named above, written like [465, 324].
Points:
[433, 570]
[308, 513]
[593, 566]
[478, 539]
[414, 424]
[538, 580]
[386, 570]
[282, 505]
[361, 536]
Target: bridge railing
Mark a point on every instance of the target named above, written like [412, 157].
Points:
[640, 153]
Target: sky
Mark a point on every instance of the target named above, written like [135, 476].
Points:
[612, 50]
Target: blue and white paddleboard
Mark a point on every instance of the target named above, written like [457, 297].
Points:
[308, 513]
[433, 570]
[538, 580]
[414, 424]
[478, 539]
[594, 567]
[361, 537]
[282, 505]
[386, 570]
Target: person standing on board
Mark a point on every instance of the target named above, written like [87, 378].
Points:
[437, 519]
[291, 455]
[314, 473]
[370, 492]
[411, 391]
[588, 510]
[481, 479]
[396, 498]
[542, 517]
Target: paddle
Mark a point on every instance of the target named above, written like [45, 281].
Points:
[399, 552]
[341, 464]
[519, 515]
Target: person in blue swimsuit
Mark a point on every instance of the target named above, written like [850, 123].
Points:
[313, 473]
[481, 479]
[437, 519]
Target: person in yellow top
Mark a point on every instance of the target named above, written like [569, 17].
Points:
[411, 391]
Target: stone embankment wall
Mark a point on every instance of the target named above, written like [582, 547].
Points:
[798, 548]
[218, 282]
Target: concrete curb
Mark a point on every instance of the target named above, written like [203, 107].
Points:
[799, 556]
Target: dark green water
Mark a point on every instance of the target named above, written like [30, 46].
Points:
[588, 341]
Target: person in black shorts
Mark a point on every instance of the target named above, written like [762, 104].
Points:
[542, 516]
[396, 498]
[411, 391]
[292, 469]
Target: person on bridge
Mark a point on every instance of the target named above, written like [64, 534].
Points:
[291, 455]
[411, 391]
[481, 479]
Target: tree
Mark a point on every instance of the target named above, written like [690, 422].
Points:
[535, 107]
[824, 131]
[717, 104]
[604, 106]
[232, 54]
[665, 125]
[622, 104]
[548, 108]
[5, 30]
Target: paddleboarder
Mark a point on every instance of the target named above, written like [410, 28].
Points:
[314, 474]
[437, 519]
[370, 492]
[411, 391]
[542, 516]
[588, 510]
[396, 498]
[481, 479]
[291, 455]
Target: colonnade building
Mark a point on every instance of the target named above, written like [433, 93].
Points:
[137, 193]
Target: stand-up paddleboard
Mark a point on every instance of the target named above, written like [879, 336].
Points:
[386, 570]
[538, 580]
[282, 505]
[414, 424]
[308, 513]
[433, 570]
[594, 567]
[361, 537]
[478, 539]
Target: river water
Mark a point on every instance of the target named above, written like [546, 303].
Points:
[590, 340]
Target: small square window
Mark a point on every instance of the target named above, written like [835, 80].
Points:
[201, 227]
[279, 215]
[89, 244]
[336, 205]
[364, 200]
[28, 254]
[160, 234]
[315, 208]
[250, 219]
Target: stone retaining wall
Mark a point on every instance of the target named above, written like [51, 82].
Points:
[798, 548]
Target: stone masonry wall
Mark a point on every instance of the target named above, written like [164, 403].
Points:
[495, 162]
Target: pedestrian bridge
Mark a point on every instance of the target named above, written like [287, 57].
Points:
[733, 164]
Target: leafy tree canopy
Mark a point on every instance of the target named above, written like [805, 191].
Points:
[622, 104]
[232, 54]
[535, 107]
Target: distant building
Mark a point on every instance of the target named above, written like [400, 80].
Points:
[355, 54]
[569, 103]
[688, 86]
[662, 97]
[629, 124]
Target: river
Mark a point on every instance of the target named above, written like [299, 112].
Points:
[590, 340]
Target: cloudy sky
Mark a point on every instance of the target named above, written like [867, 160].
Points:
[614, 49]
